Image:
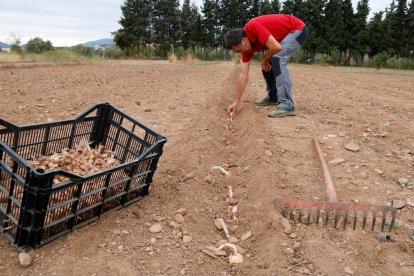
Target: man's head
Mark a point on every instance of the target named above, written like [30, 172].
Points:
[236, 40]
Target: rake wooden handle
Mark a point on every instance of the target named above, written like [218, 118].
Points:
[329, 187]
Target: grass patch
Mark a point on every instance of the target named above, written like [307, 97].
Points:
[55, 56]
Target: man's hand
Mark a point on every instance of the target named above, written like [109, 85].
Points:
[266, 66]
[232, 108]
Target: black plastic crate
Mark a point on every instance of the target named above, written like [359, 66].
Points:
[34, 211]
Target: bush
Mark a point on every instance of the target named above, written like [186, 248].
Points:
[113, 52]
[323, 59]
[399, 63]
[380, 60]
[179, 52]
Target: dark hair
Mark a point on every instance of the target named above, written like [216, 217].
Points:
[233, 37]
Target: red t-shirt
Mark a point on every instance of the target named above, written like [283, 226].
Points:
[260, 28]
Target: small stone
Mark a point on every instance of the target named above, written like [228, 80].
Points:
[209, 179]
[379, 171]
[174, 224]
[217, 223]
[296, 245]
[293, 236]
[187, 239]
[379, 248]
[137, 103]
[178, 218]
[246, 235]
[410, 201]
[383, 237]
[120, 248]
[286, 226]
[399, 204]
[337, 161]
[148, 110]
[25, 259]
[406, 151]
[153, 241]
[156, 228]
[304, 270]
[412, 234]
[268, 153]
[233, 240]
[188, 176]
[246, 168]
[289, 251]
[348, 270]
[117, 232]
[403, 181]
[233, 201]
[352, 146]
[138, 213]
[181, 211]
[125, 232]
[159, 218]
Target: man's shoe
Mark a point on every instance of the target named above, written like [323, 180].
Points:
[281, 112]
[265, 101]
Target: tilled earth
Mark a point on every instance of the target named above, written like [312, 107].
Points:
[266, 158]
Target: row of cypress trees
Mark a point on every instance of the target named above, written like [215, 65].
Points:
[337, 29]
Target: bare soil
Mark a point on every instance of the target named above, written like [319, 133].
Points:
[267, 158]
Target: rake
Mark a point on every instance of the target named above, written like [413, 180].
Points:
[341, 212]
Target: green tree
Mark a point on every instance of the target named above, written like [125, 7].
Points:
[135, 26]
[360, 31]
[165, 23]
[266, 8]
[255, 8]
[348, 25]
[269, 7]
[275, 6]
[388, 23]
[196, 29]
[211, 23]
[232, 14]
[294, 7]
[37, 45]
[410, 30]
[186, 24]
[334, 27]
[400, 27]
[15, 46]
[314, 18]
[376, 35]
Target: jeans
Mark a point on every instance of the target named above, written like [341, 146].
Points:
[278, 82]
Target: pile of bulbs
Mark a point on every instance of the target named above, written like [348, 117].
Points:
[82, 160]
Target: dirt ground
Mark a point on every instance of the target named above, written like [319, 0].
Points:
[267, 158]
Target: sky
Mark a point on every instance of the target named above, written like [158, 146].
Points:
[72, 22]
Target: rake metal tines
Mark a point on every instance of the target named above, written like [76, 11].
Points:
[342, 213]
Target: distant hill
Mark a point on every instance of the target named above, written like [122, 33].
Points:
[4, 45]
[100, 42]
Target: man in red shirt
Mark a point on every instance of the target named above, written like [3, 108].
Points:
[280, 35]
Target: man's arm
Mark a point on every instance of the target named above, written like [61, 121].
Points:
[240, 87]
[273, 47]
